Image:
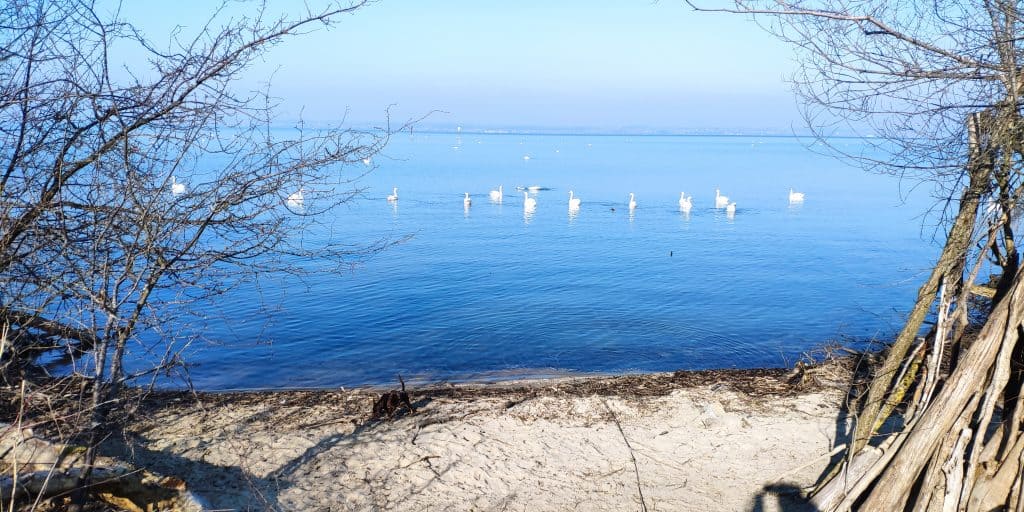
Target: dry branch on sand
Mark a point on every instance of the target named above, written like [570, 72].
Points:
[36, 470]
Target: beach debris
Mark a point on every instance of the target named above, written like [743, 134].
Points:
[632, 456]
[391, 402]
[799, 377]
[48, 472]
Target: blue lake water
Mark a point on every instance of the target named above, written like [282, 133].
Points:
[492, 292]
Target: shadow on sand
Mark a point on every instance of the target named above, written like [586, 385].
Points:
[226, 487]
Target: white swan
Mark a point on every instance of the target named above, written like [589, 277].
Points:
[632, 201]
[394, 194]
[731, 208]
[685, 203]
[574, 202]
[795, 197]
[993, 209]
[467, 201]
[529, 203]
[720, 200]
[496, 195]
[296, 200]
[177, 188]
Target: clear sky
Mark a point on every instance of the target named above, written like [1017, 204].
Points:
[597, 64]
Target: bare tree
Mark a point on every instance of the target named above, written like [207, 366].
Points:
[128, 192]
[936, 86]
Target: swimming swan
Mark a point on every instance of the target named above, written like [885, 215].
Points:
[296, 200]
[529, 203]
[467, 201]
[632, 201]
[177, 188]
[394, 194]
[720, 200]
[574, 202]
[496, 194]
[795, 197]
[731, 208]
[685, 203]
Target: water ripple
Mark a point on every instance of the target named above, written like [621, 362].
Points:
[498, 292]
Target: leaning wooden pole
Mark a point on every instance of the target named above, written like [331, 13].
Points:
[878, 404]
[856, 474]
[967, 401]
[948, 457]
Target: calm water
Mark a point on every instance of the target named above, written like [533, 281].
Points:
[492, 292]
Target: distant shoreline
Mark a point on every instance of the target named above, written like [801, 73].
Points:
[568, 133]
[593, 132]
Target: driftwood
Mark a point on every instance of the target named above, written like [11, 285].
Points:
[958, 401]
[990, 493]
[391, 402]
[946, 458]
[959, 398]
[880, 403]
[857, 475]
[36, 470]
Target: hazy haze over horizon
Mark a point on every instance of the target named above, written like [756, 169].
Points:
[602, 66]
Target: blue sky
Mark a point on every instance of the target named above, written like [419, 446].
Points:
[596, 64]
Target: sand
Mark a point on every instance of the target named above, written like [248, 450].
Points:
[644, 443]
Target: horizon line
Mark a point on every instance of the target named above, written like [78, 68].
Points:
[455, 129]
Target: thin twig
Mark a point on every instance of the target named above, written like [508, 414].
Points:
[18, 439]
[636, 467]
[812, 462]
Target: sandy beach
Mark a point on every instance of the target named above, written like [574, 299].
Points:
[723, 440]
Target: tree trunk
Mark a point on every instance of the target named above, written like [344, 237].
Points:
[877, 407]
[970, 385]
